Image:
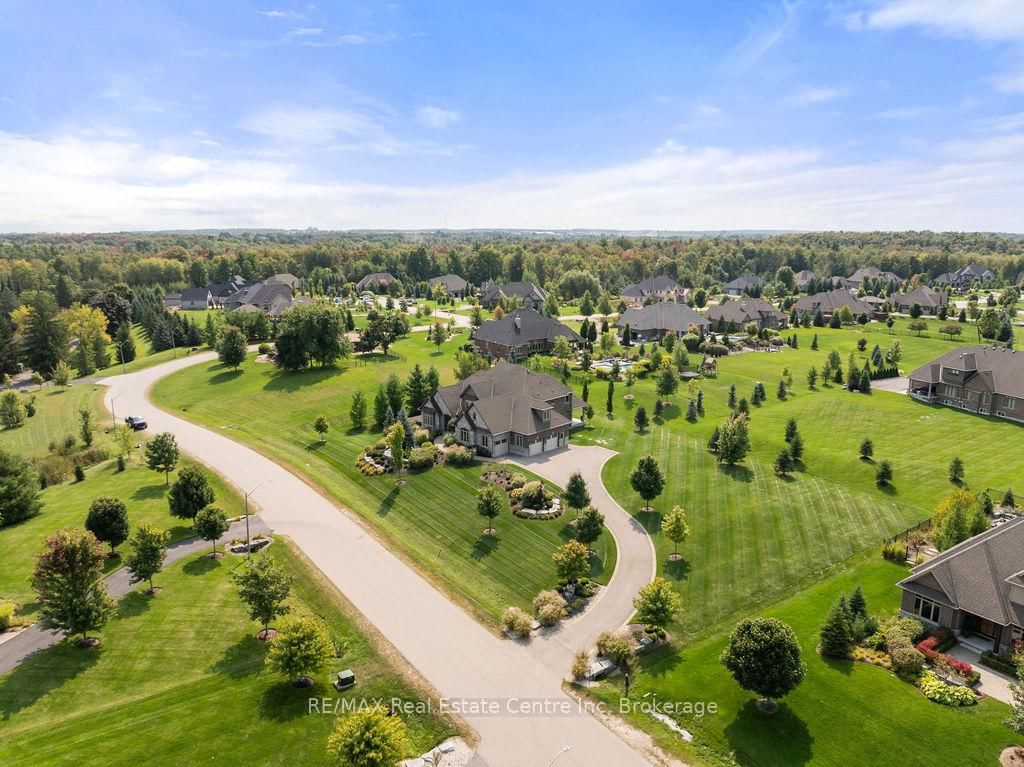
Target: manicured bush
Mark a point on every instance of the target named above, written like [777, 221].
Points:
[894, 552]
[516, 622]
[422, 457]
[905, 631]
[617, 646]
[517, 480]
[459, 456]
[449, 440]
[533, 495]
[997, 663]
[585, 588]
[6, 616]
[550, 607]
[263, 349]
[580, 662]
[906, 660]
[79, 473]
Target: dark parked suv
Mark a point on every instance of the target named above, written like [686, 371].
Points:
[136, 423]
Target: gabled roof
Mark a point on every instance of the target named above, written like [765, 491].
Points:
[375, 279]
[195, 294]
[665, 315]
[804, 276]
[996, 369]
[745, 283]
[873, 273]
[515, 290]
[284, 278]
[923, 296]
[522, 326]
[657, 286]
[743, 310]
[976, 575]
[831, 302]
[260, 294]
[508, 397]
[452, 283]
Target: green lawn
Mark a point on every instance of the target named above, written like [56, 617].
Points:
[66, 506]
[844, 713]
[181, 675]
[56, 417]
[432, 519]
[145, 357]
[755, 537]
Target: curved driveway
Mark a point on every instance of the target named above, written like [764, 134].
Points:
[457, 655]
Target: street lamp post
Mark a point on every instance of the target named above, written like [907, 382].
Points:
[248, 544]
[564, 749]
[120, 351]
[113, 417]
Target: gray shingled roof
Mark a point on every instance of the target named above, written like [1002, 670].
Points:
[508, 397]
[453, 283]
[831, 301]
[974, 575]
[195, 294]
[999, 369]
[514, 290]
[743, 310]
[923, 296]
[522, 326]
[665, 315]
[375, 280]
[656, 286]
[745, 283]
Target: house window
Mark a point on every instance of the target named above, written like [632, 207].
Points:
[464, 435]
[1009, 402]
[485, 440]
[927, 609]
[518, 440]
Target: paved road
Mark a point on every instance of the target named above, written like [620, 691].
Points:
[459, 657]
[33, 639]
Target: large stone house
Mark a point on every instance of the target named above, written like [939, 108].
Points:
[272, 298]
[528, 295]
[804, 278]
[521, 333]
[737, 314]
[747, 284]
[505, 409]
[660, 288]
[976, 588]
[453, 285]
[964, 277]
[219, 291]
[865, 273]
[831, 302]
[981, 379]
[929, 300]
[652, 322]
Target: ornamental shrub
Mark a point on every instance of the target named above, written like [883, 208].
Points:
[946, 694]
[516, 622]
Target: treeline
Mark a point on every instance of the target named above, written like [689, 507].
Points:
[71, 267]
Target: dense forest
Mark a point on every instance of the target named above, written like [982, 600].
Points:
[72, 266]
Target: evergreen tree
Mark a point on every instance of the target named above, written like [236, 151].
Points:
[609, 404]
[714, 441]
[1009, 502]
[416, 389]
[883, 474]
[796, 448]
[640, 420]
[732, 396]
[867, 449]
[691, 411]
[45, 335]
[956, 471]
[837, 633]
[357, 410]
[733, 439]
[858, 604]
[380, 408]
[783, 463]
[19, 489]
[814, 343]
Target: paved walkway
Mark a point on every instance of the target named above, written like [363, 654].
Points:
[33, 639]
[993, 684]
[458, 656]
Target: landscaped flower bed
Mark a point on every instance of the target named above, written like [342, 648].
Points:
[527, 500]
[947, 694]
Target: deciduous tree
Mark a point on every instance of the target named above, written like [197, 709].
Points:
[302, 648]
[657, 604]
[210, 524]
[264, 586]
[162, 454]
[68, 578]
[147, 549]
[108, 521]
[763, 656]
[647, 480]
[190, 493]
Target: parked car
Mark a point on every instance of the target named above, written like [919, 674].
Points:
[136, 423]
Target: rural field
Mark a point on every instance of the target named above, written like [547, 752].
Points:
[432, 519]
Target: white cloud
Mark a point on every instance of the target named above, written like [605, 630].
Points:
[1010, 82]
[73, 184]
[983, 19]
[762, 37]
[304, 31]
[436, 117]
[899, 114]
[810, 95]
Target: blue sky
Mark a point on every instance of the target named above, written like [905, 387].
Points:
[855, 114]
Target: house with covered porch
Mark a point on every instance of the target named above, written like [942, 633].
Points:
[504, 409]
[975, 588]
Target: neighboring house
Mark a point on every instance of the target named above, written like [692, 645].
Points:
[964, 277]
[843, 282]
[284, 278]
[377, 282]
[831, 302]
[196, 298]
[744, 310]
[804, 278]
[528, 295]
[652, 322]
[219, 291]
[660, 288]
[453, 285]
[172, 300]
[272, 298]
[862, 275]
[741, 285]
[929, 300]
[981, 379]
[505, 409]
[520, 333]
[976, 588]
